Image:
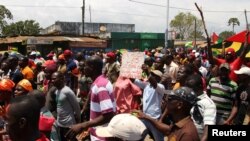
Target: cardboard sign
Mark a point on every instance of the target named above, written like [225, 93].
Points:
[131, 64]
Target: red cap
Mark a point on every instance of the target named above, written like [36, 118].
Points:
[67, 53]
[111, 55]
[230, 51]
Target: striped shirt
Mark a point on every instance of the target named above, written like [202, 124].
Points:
[223, 96]
[207, 109]
[102, 101]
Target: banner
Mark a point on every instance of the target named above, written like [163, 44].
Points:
[131, 64]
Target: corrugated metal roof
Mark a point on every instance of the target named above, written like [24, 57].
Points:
[20, 39]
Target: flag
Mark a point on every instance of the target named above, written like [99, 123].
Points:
[240, 37]
[216, 39]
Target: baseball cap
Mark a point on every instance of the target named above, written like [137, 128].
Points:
[33, 53]
[230, 51]
[123, 126]
[225, 65]
[157, 73]
[183, 93]
[243, 70]
[111, 55]
[67, 52]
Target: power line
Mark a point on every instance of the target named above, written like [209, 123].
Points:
[172, 7]
[180, 8]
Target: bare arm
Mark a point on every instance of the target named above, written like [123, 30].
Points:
[233, 113]
[205, 133]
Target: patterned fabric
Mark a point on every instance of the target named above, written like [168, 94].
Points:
[102, 101]
[207, 109]
[223, 96]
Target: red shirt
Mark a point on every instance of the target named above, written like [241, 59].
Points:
[42, 138]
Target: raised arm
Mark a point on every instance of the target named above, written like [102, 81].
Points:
[246, 48]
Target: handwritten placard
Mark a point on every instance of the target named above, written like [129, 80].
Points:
[131, 64]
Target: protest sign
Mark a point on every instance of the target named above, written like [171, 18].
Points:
[131, 64]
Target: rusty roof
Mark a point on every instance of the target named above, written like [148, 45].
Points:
[20, 39]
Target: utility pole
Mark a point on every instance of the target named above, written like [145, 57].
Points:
[195, 33]
[166, 32]
[83, 16]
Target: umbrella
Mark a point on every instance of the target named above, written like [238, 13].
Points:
[240, 37]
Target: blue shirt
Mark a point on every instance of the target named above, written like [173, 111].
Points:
[152, 98]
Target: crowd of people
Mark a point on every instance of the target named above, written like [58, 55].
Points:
[75, 97]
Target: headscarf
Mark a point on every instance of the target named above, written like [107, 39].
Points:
[6, 85]
[25, 84]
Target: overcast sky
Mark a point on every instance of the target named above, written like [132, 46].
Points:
[147, 18]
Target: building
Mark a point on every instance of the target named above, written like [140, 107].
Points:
[102, 30]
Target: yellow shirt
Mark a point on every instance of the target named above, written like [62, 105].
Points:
[28, 73]
[176, 86]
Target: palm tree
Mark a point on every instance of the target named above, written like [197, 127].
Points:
[233, 22]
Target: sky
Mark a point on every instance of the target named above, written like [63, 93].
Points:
[147, 18]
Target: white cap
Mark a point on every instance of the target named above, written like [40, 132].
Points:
[123, 126]
[33, 53]
[243, 70]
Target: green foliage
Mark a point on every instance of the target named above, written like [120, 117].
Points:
[4, 14]
[184, 25]
[225, 34]
[233, 22]
[27, 27]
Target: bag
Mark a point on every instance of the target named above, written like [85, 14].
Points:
[46, 123]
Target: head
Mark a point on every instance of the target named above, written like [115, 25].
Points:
[49, 70]
[12, 62]
[39, 96]
[111, 57]
[159, 63]
[93, 66]
[183, 72]
[230, 55]
[123, 126]
[23, 62]
[168, 59]
[57, 80]
[166, 80]
[6, 87]
[22, 114]
[79, 56]
[180, 102]
[194, 82]
[81, 66]
[156, 74]
[148, 61]
[197, 63]
[61, 59]
[23, 88]
[67, 54]
[5, 66]
[243, 74]
[224, 71]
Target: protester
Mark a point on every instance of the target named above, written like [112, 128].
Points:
[153, 92]
[102, 104]
[23, 88]
[223, 92]
[22, 117]
[124, 127]
[204, 112]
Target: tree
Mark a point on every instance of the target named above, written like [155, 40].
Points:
[183, 24]
[233, 22]
[225, 34]
[27, 27]
[4, 14]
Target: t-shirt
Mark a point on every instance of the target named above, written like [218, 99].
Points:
[184, 130]
[67, 107]
[28, 73]
[102, 102]
[207, 110]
